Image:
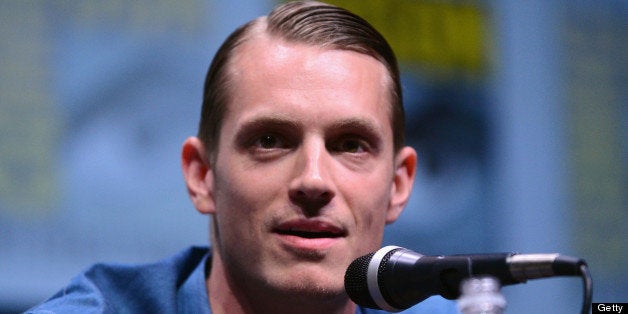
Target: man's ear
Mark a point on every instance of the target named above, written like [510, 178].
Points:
[198, 175]
[405, 170]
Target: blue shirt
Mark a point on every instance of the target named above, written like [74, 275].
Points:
[173, 285]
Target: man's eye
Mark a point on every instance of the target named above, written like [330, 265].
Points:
[351, 146]
[269, 141]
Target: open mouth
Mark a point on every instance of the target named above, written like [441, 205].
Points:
[309, 234]
[310, 229]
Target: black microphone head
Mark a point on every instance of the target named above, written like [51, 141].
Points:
[363, 277]
[356, 281]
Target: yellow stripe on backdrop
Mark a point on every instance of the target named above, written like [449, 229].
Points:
[442, 35]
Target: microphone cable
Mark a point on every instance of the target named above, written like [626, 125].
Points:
[588, 288]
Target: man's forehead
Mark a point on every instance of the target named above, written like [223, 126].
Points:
[264, 55]
[261, 45]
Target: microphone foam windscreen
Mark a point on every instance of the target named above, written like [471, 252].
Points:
[355, 282]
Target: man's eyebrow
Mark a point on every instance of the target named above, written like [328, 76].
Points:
[358, 125]
[269, 121]
[282, 122]
[251, 127]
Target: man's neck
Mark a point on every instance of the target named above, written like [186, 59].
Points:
[229, 296]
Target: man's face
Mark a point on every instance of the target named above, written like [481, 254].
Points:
[304, 174]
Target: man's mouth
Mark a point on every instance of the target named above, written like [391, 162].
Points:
[309, 237]
[310, 229]
[309, 234]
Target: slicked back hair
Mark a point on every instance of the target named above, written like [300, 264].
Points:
[308, 22]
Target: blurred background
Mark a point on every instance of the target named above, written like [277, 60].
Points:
[518, 110]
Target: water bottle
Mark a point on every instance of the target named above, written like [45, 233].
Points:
[481, 295]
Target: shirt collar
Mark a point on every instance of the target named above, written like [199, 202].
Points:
[192, 297]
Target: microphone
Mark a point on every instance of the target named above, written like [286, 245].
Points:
[394, 278]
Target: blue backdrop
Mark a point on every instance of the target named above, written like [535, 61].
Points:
[525, 151]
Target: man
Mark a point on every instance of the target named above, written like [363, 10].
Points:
[299, 161]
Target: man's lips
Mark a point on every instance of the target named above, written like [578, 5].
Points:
[310, 229]
[309, 237]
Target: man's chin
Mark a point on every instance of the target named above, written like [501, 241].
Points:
[318, 292]
[313, 287]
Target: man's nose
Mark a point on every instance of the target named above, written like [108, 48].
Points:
[311, 187]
